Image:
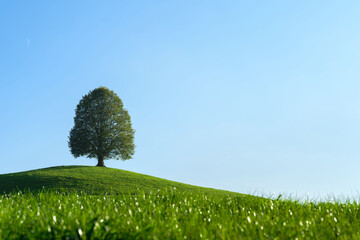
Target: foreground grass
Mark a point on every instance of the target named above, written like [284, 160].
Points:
[171, 214]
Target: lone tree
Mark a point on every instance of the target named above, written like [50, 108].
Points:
[102, 128]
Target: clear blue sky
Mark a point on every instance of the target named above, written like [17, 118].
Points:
[249, 96]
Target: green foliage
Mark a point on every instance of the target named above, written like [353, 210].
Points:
[102, 127]
[172, 214]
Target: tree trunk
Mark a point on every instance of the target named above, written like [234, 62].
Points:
[100, 162]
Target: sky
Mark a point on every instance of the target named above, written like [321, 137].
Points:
[258, 97]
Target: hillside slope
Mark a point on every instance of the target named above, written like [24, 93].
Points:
[92, 180]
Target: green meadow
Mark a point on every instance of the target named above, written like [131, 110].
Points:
[102, 203]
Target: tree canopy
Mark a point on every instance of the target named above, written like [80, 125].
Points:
[102, 128]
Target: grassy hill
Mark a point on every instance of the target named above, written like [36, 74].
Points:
[92, 180]
[156, 209]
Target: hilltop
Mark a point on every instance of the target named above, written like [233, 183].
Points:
[93, 180]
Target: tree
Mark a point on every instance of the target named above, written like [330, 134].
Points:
[102, 128]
